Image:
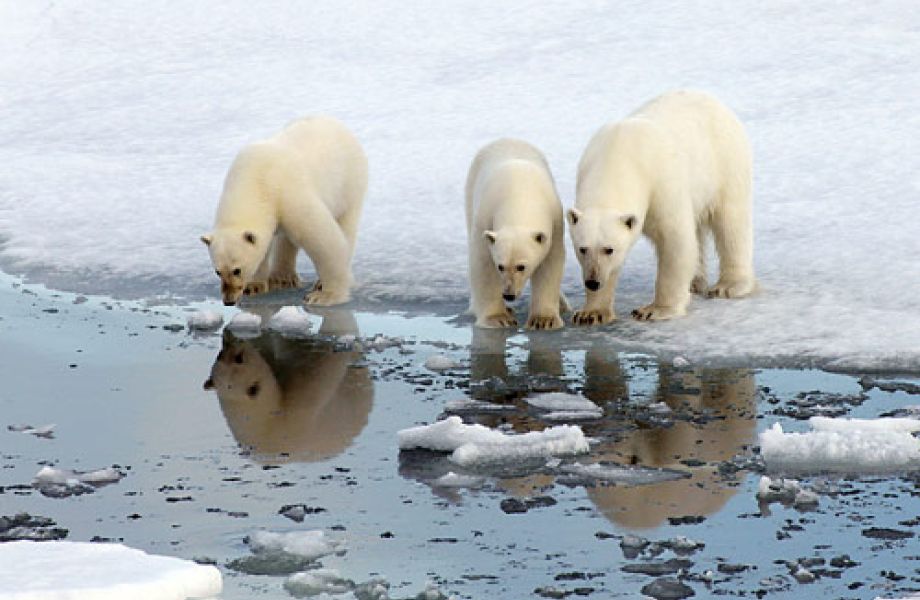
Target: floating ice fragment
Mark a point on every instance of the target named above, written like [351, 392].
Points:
[45, 431]
[311, 544]
[453, 480]
[628, 475]
[60, 570]
[680, 362]
[471, 444]
[844, 445]
[205, 320]
[467, 406]
[441, 362]
[573, 415]
[244, 324]
[290, 321]
[318, 581]
[561, 401]
[61, 483]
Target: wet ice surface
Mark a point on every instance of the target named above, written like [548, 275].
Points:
[131, 115]
[276, 459]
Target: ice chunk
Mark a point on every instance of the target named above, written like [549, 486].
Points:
[453, 480]
[844, 445]
[441, 362]
[290, 321]
[560, 401]
[244, 324]
[475, 443]
[628, 475]
[64, 570]
[310, 545]
[680, 362]
[45, 431]
[318, 581]
[61, 483]
[205, 320]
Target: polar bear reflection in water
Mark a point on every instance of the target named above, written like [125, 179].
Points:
[293, 399]
[725, 398]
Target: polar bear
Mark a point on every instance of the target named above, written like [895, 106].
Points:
[302, 188]
[676, 169]
[515, 234]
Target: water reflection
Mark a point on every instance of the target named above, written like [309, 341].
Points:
[654, 416]
[293, 399]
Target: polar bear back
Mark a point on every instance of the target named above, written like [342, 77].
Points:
[506, 179]
[314, 157]
[684, 140]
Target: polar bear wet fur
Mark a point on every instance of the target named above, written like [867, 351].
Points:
[515, 233]
[675, 170]
[301, 189]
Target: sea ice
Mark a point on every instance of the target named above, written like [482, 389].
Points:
[622, 474]
[454, 480]
[441, 362]
[844, 445]
[60, 483]
[245, 324]
[93, 571]
[311, 544]
[290, 321]
[318, 581]
[204, 320]
[560, 401]
[471, 444]
[45, 431]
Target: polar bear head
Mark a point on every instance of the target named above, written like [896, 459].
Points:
[236, 255]
[601, 238]
[516, 253]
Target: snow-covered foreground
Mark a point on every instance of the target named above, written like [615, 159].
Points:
[89, 571]
[118, 124]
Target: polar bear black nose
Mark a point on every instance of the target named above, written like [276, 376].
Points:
[592, 284]
[509, 297]
[229, 303]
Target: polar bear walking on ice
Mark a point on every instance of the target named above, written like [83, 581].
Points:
[675, 170]
[515, 227]
[301, 189]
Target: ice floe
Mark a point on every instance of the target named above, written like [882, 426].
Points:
[44, 431]
[290, 321]
[245, 324]
[470, 444]
[441, 362]
[204, 320]
[844, 445]
[60, 483]
[61, 570]
[311, 544]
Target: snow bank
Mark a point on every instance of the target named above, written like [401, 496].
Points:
[471, 444]
[89, 571]
[147, 139]
[845, 445]
[290, 321]
[244, 324]
[310, 545]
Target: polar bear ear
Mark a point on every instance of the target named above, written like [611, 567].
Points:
[539, 237]
[208, 384]
[250, 237]
[629, 221]
[206, 239]
[489, 235]
[573, 214]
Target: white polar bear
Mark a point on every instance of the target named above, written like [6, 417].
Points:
[515, 227]
[676, 169]
[302, 188]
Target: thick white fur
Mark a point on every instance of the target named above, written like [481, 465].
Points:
[514, 218]
[676, 169]
[303, 188]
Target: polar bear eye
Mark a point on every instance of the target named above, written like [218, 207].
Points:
[608, 251]
[583, 250]
[520, 268]
[237, 271]
[218, 273]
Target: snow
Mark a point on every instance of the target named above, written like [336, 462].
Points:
[471, 444]
[91, 571]
[441, 362]
[844, 445]
[205, 320]
[290, 321]
[311, 544]
[129, 116]
[244, 324]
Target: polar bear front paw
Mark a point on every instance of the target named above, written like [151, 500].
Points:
[324, 297]
[499, 321]
[282, 281]
[731, 289]
[699, 286]
[593, 316]
[255, 287]
[653, 312]
[544, 322]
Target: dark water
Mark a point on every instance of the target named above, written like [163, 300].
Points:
[216, 434]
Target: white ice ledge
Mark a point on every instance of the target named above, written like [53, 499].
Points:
[470, 444]
[89, 571]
